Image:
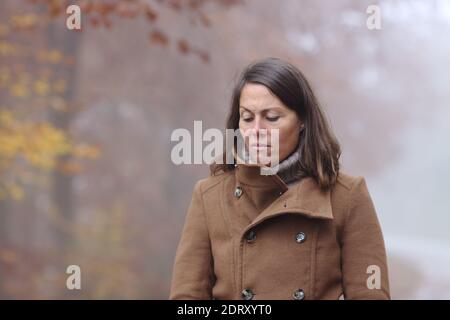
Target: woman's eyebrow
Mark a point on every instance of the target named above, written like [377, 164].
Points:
[263, 110]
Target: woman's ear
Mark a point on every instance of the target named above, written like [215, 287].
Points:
[301, 125]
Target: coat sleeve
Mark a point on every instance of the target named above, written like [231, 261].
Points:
[193, 276]
[363, 255]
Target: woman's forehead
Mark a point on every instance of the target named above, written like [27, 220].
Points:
[258, 98]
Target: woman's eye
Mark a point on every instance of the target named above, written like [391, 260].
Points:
[272, 118]
[247, 119]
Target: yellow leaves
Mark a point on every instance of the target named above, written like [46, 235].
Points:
[26, 145]
[5, 76]
[10, 144]
[6, 118]
[38, 143]
[47, 144]
[20, 87]
[16, 192]
[55, 56]
[8, 49]
[23, 85]
[24, 22]
[52, 56]
[19, 90]
[44, 87]
[12, 191]
[41, 87]
[79, 151]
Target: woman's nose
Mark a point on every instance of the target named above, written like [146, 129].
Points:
[259, 125]
[258, 130]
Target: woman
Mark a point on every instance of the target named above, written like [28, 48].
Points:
[309, 231]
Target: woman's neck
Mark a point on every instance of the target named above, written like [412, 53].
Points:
[287, 169]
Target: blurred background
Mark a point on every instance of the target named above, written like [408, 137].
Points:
[86, 118]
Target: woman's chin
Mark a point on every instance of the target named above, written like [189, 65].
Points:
[261, 158]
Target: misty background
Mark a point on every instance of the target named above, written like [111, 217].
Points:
[86, 118]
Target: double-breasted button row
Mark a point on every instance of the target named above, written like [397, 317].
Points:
[250, 236]
[238, 192]
[247, 294]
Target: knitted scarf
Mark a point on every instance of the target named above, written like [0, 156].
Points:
[288, 169]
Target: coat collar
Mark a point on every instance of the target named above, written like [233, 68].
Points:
[303, 198]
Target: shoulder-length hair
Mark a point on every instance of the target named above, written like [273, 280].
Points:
[318, 147]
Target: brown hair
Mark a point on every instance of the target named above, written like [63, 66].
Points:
[318, 147]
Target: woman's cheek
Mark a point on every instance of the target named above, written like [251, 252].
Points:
[280, 135]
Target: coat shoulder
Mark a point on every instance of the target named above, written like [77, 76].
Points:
[347, 181]
[213, 181]
[345, 193]
[345, 190]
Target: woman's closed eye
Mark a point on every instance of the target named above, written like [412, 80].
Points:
[273, 118]
[268, 118]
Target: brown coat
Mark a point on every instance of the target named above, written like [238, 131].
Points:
[250, 236]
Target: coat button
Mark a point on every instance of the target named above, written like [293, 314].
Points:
[238, 192]
[300, 237]
[247, 294]
[299, 294]
[250, 236]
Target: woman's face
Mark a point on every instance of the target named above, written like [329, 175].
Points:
[260, 109]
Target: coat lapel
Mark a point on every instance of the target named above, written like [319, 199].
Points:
[304, 198]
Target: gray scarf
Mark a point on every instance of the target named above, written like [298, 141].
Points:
[287, 170]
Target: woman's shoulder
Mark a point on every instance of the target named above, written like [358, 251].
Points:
[347, 180]
[349, 184]
[350, 190]
[349, 193]
[213, 181]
